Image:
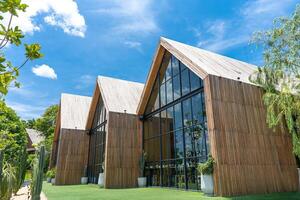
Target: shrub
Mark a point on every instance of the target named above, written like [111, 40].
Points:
[51, 173]
[207, 167]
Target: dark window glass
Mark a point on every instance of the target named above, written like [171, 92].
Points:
[187, 112]
[169, 91]
[168, 151]
[176, 86]
[185, 82]
[192, 175]
[175, 65]
[195, 81]
[177, 116]
[152, 173]
[178, 145]
[169, 173]
[189, 148]
[182, 66]
[151, 146]
[197, 109]
[180, 179]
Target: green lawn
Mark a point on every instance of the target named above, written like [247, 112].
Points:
[90, 192]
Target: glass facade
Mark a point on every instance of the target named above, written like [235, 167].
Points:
[97, 143]
[175, 128]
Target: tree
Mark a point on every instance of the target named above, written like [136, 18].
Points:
[46, 125]
[280, 74]
[12, 35]
[13, 143]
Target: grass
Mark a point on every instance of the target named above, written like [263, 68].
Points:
[90, 192]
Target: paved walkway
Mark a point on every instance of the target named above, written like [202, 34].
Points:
[23, 193]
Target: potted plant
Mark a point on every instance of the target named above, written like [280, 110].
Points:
[51, 176]
[101, 176]
[84, 179]
[206, 171]
[142, 181]
[48, 175]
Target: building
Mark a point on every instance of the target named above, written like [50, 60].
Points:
[114, 130]
[70, 143]
[197, 102]
[34, 138]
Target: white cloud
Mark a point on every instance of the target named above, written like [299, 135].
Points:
[134, 45]
[253, 16]
[61, 13]
[44, 71]
[26, 111]
[131, 16]
[85, 81]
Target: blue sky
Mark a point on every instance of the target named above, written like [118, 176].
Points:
[118, 38]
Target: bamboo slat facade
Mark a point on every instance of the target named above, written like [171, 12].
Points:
[72, 151]
[70, 144]
[123, 149]
[122, 133]
[250, 157]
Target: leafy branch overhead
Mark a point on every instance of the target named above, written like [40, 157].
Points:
[13, 35]
[280, 74]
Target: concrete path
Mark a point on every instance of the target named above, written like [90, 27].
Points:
[23, 193]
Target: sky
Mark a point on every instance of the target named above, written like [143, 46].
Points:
[83, 39]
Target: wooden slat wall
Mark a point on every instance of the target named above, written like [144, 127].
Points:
[72, 156]
[250, 157]
[123, 148]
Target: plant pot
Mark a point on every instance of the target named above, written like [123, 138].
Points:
[101, 180]
[207, 184]
[48, 180]
[84, 180]
[142, 181]
[53, 181]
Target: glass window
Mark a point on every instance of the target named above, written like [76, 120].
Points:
[169, 71]
[169, 91]
[168, 151]
[163, 94]
[151, 146]
[169, 173]
[195, 81]
[179, 153]
[175, 65]
[187, 112]
[177, 116]
[176, 86]
[185, 82]
[197, 109]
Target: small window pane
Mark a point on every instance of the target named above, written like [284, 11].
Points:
[195, 81]
[175, 65]
[169, 91]
[163, 94]
[177, 116]
[197, 109]
[185, 82]
[178, 144]
[182, 66]
[169, 71]
[187, 112]
[176, 86]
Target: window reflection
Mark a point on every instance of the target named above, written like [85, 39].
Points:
[175, 134]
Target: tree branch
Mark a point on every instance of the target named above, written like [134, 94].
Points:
[6, 34]
[10, 72]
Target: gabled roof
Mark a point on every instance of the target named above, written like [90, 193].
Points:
[74, 111]
[118, 96]
[201, 62]
[34, 135]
